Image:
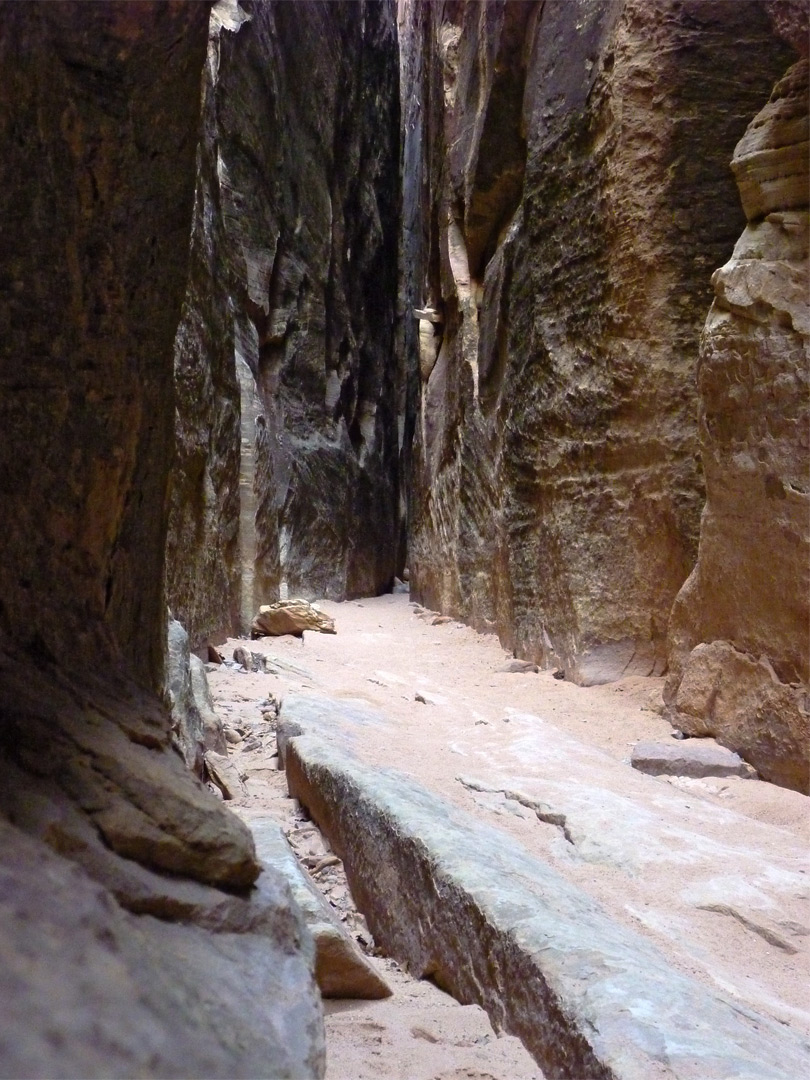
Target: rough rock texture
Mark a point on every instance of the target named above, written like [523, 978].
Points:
[89, 990]
[341, 969]
[290, 617]
[292, 306]
[740, 631]
[195, 726]
[98, 118]
[465, 904]
[567, 196]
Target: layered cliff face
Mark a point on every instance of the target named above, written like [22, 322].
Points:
[740, 630]
[106, 835]
[291, 308]
[567, 197]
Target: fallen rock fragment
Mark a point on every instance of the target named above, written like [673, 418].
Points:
[341, 969]
[519, 667]
[290, 617]
[691, 757]
[223, 772]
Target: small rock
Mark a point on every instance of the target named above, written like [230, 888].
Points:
[214, 655]
[222, 772]
[559, 674]
[678, 734]
[420, 697]
[242, 657]
[232, 736]
[253, 743]
[519, 666]
[400, 586]
[694, 757]
[440, 620]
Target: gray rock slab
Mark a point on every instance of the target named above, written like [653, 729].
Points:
[341, 969]
[92, 991]
[691, 757]
[468, 906]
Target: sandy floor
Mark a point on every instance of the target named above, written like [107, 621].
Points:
[715, 872]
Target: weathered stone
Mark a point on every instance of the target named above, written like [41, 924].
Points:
[739, 657]
[566, 197]
[89, 990]
[290, 617]
[692, 757]
[341, 969]
[98, 118]
[224, 773]
[187, 723]
[519, 666]
[741, 702]
[289, 319]
[213, 735]
[466, 905]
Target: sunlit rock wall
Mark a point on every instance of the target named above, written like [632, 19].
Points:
[567, 200]
[294, 277]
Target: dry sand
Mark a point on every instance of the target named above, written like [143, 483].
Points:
[715, 872]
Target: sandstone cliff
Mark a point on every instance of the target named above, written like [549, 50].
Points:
[740, 632]
[567, 197]
[106, 835]
[290, 317]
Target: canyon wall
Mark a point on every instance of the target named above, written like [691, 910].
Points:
[740, 630]
[292, 306]
[567, 196]
[127, 888]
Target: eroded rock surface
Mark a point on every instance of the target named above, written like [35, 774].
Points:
[467, 905]
[98, 120]
[291, 307]
[567, 197]
[290, 617]
[739, 657]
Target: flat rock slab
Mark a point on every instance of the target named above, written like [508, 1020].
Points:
[691, 757]
[465, 904]
[341, 969]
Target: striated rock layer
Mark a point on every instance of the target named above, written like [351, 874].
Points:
[106, 837]
[740, 631]
[567, 196]
[291, 306]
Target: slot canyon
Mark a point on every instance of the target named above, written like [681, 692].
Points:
[468, 340]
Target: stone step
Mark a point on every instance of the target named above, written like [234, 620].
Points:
[466, 905]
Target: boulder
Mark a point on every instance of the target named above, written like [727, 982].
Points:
[691, 757]
[290, 617]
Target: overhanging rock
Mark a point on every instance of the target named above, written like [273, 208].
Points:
[465, 904]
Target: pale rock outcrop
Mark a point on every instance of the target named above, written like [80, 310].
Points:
[290, 617]
[290, 317]
[740, 631]
[566, 198]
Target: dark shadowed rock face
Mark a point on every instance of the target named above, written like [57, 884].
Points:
[99, 111]
[292, 303]
[576, 198]
[740, 629]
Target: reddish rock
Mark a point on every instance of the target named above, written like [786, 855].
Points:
[567, 197]
[739, 655]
